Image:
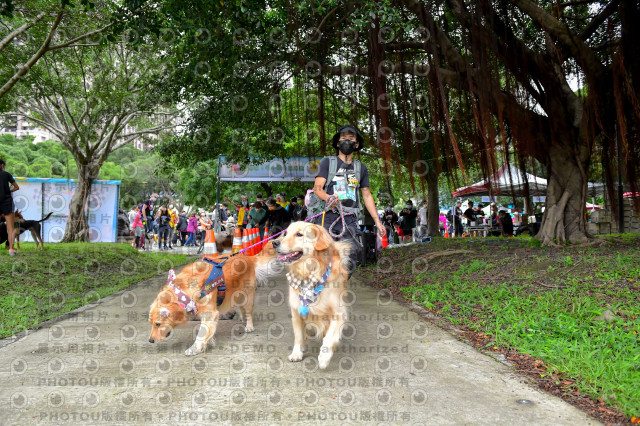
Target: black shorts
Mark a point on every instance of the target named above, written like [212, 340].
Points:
[7, 207]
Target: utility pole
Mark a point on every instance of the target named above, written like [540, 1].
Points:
[216, 226]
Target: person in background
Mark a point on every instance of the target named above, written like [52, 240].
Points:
[470, 215]
[243, 211]
[389, 220]
[132, 217]
[422, 214]
[138, 228]
[259, 198]
[147, 211]
[173, 213]
[181, 228]
[506, 223]
[162, 220]
[301, 211]
[192, 228]
[291, 208]
[456, 220]
[278, 218]
[442, 222]
[203, 225]
[281, 200]
[218, 209]
[408, 215]
[258, 217]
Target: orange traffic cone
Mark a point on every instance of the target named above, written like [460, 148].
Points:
[245, 241]
[254, 241]
[446, 233]
[258, 241]
[265, 239]
[237, 241]
[250, 237]
[210, 242]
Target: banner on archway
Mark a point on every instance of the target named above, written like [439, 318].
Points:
[292, 169]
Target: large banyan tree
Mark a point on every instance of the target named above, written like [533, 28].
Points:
[514, 60]
[549, 81]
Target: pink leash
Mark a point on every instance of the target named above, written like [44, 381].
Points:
[274, 235]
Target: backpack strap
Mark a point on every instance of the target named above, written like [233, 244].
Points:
[333, 169]
[357, 168]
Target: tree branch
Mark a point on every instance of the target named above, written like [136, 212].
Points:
[26, 67]
[597, 20]
[579, 50]
[5, 41]
[70, 42]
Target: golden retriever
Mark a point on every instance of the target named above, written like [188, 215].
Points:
[316, 270]
[240, 273]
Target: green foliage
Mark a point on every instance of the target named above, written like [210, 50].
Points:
[41, 168]
[559, 322]
[32, 296]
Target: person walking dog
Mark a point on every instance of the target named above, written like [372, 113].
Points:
[8, 185]
[338, 180]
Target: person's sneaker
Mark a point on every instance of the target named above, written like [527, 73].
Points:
[12, 252]
[170, 248]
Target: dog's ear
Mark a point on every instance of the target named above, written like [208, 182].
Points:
[322, 237]
[167, 297]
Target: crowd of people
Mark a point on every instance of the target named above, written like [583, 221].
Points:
[170, 228]
[452, 222]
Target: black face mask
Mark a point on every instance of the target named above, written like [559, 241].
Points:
[346, 146]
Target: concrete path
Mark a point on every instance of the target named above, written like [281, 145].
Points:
[98, 368]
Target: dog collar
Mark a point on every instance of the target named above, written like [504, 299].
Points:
[308, 289]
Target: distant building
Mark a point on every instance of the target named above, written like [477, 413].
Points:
[17, 126]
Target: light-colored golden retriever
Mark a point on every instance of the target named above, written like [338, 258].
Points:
[241, 273]
[315, 260]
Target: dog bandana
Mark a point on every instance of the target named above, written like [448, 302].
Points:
[308, 289]
[183, 299]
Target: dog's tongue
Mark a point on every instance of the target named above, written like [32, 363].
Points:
[287, 256]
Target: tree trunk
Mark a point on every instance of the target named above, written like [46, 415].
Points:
[77, 225]
[433, 203]
[267, 188]
[563, 219]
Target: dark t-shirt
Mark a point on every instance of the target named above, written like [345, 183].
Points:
[507, 224]
[279, 217]
[346, 188]
[470, 214]
[5, 191]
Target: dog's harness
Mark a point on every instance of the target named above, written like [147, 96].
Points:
[308, 289]
[213, 282]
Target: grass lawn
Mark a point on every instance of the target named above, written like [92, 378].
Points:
[575, 311]
[39, 285]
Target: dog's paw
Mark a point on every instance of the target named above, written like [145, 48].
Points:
[249, 328]
[193, 350]
[325, 357]
[296, 356]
